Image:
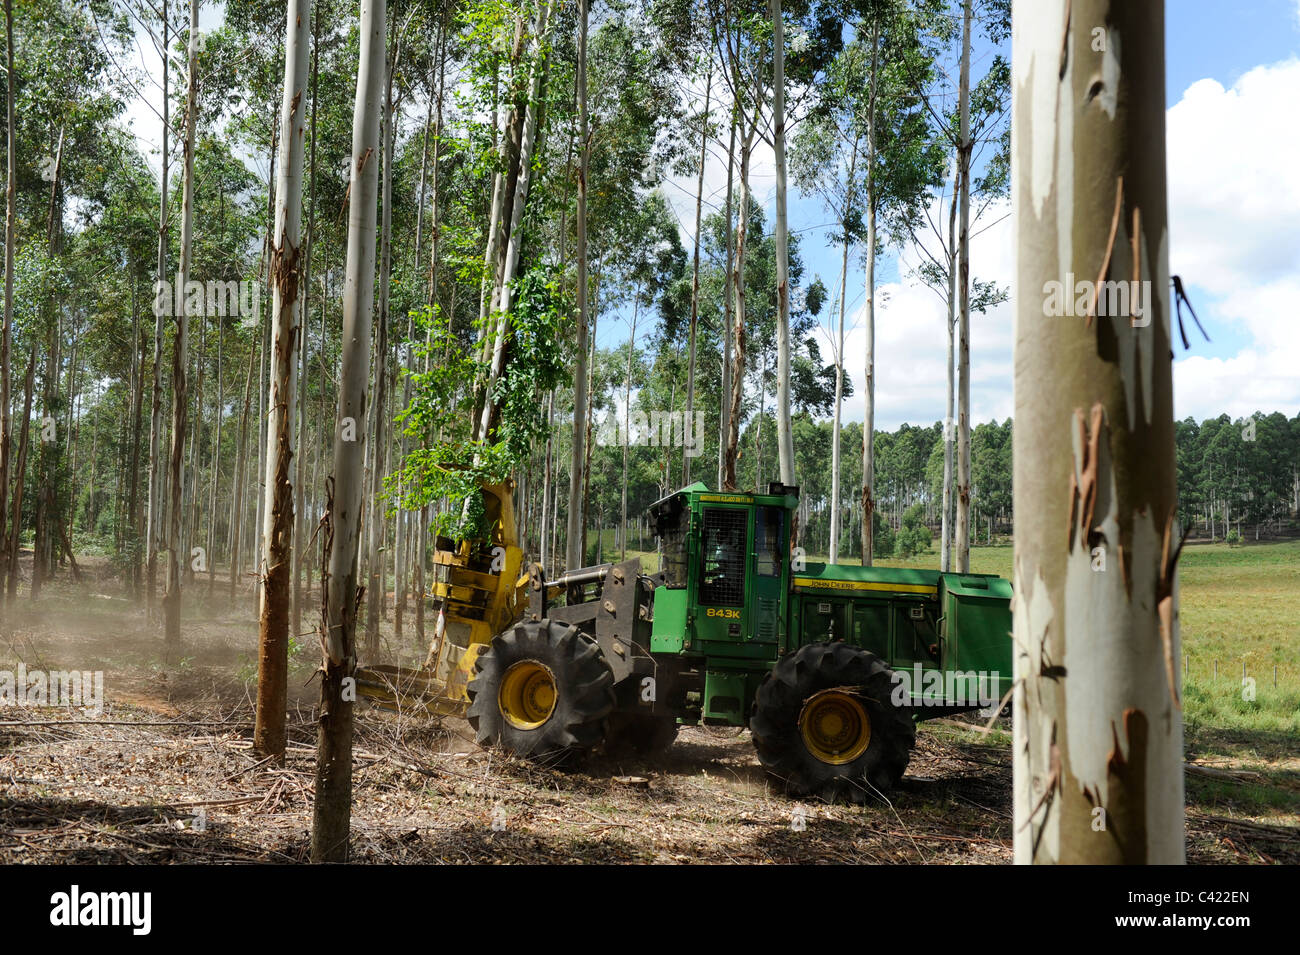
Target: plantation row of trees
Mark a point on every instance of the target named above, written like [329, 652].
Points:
[1237, 478]
[237, 310]
[525, 160]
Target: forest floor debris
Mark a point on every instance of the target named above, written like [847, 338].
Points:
[167, 774]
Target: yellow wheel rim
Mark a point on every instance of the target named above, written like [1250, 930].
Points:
[835, 727]
[527, 695]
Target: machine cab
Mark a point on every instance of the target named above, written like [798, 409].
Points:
[725, 567]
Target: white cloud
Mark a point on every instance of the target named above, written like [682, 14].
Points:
[1234, 210]
[911, 342]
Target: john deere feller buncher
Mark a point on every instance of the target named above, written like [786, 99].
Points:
[830, 666]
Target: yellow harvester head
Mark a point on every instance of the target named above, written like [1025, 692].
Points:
[479, 589]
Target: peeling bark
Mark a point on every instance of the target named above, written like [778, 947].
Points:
[269, 734]
[1098, 726]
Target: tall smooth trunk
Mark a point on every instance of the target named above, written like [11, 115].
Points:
[300, 553]
[20, 468]
[153, 523]
[695, 295]
[869, 417]
[833, 547]
[1098, 730]
[962, 543]
[784, 427]
[375, 524]
[180, 399]
[627, 411]
[237, 502]
[724, 399]
[332, 810]
[286, 327]
[216, 462]
[6, 336]
[574, 534]
[949, 430]
[738, 324]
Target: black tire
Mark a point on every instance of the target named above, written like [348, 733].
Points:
[849, 682]
[580, 693]
[639, 734]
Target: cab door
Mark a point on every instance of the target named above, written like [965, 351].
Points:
[725, 544]
[770, 590]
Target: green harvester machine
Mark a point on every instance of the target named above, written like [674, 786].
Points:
[829, 666]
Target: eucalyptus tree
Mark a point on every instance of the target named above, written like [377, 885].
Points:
[901, 164]
[180, 346]
[6, 333]
[1098, 727]
[865, 149]
[983, 142]
[745, 34]
[286, 328]
[65, 102]
[332, 811]
[573, 551]
[118, 255]
[825, 162]
[740, 38]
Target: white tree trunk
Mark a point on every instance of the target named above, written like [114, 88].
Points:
[375, 524]
[286, 329]
[724, 411]
[834, 546]
[332, 808]
[949, 426]
[180, 399]
[784, 428]
[574, 531]
[695, 293]
[627, 411]
[963, 320]
[869, 417]
[738, 330]
[1098, 741]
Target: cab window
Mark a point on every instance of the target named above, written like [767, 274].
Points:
[769, 540]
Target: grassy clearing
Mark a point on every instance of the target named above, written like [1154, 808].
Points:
[1236, 605]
